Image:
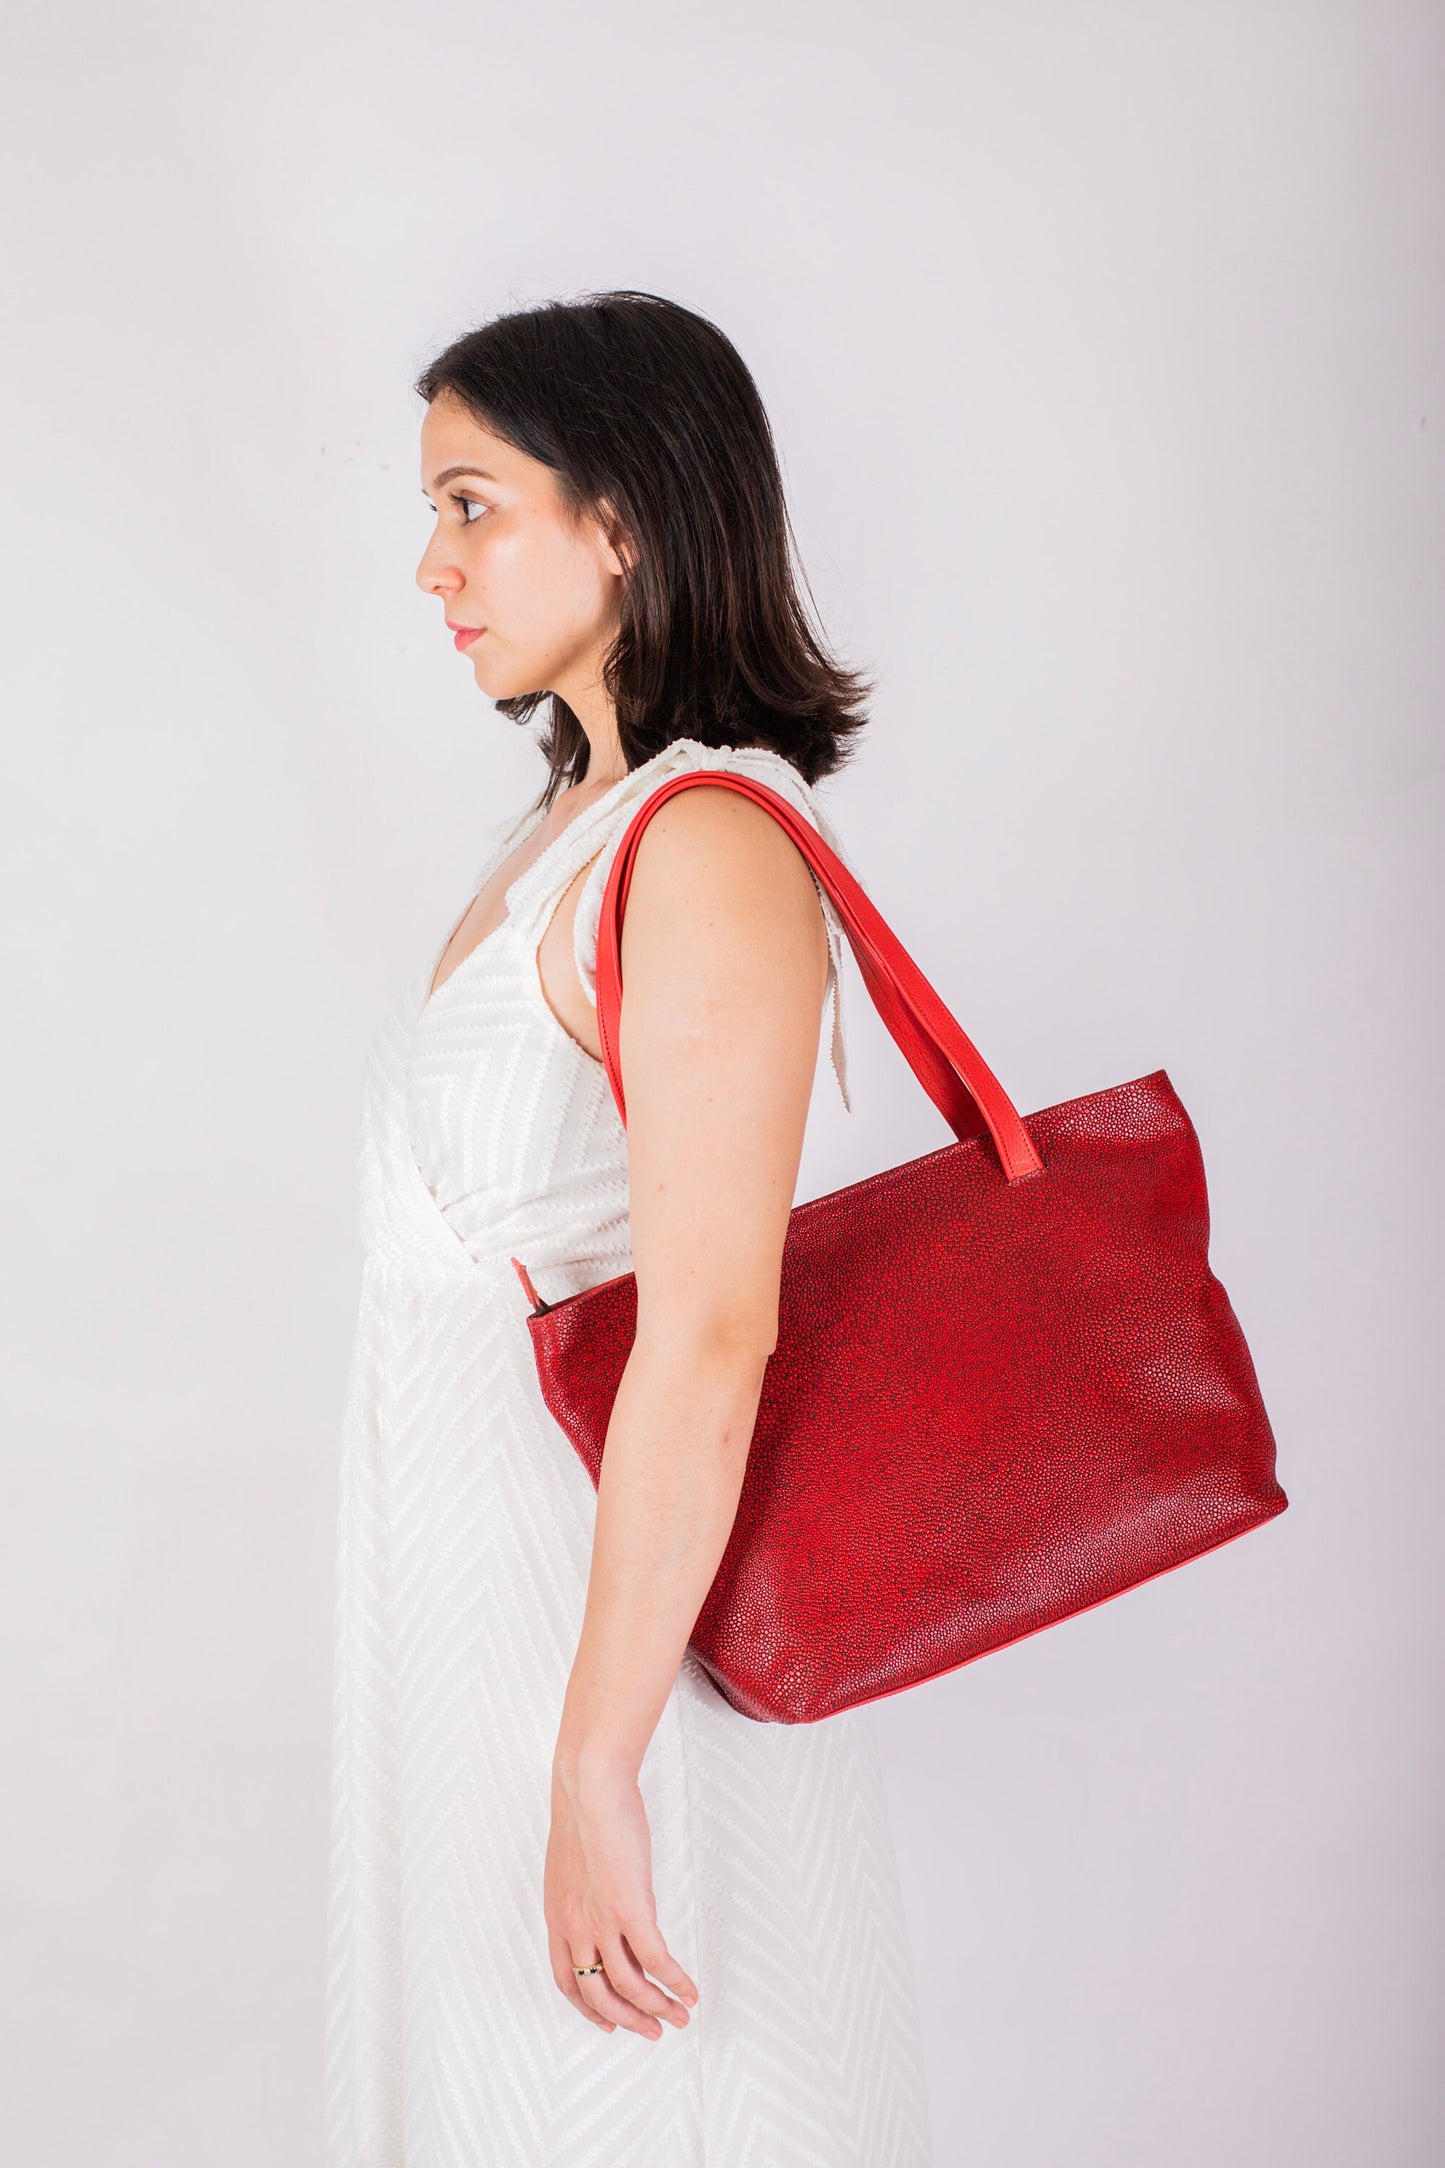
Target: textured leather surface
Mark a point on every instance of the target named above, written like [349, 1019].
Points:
[993, 1403]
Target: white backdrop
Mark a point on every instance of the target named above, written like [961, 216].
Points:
[1104, 346]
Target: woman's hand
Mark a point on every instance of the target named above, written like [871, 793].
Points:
[597, 1896]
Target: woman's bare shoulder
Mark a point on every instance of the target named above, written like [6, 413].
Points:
[710, 839]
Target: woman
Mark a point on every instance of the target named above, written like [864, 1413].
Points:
[555, 1842]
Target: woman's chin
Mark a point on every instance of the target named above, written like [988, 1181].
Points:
[498, 683]
[490, 678]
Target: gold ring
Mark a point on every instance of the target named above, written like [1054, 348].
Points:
[580, 1970]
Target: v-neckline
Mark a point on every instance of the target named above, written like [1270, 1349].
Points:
[430, 989]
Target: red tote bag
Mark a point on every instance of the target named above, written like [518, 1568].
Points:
[1006, 1385]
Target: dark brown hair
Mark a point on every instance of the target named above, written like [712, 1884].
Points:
[641, 404]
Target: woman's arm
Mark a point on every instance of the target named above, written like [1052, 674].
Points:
[724, 959]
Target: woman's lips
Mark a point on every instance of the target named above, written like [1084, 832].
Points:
[463, 635]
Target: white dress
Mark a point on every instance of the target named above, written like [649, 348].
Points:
[464, 1538]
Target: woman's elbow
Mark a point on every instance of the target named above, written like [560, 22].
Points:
[713, 1336]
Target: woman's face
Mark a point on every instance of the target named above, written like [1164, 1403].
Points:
[531, 597]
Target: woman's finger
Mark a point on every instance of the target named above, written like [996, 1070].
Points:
[605, 1999]
[569, 1983]
[645, 1944]
[628, 1977]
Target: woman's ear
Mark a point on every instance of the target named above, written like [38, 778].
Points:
[620, 553]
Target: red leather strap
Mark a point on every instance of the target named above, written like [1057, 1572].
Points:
[946, 1063]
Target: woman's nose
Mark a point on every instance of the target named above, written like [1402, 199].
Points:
[435, 577]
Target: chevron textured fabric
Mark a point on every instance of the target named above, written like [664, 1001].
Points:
[464, 1534]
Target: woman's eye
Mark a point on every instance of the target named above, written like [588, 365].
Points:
[468, 506]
